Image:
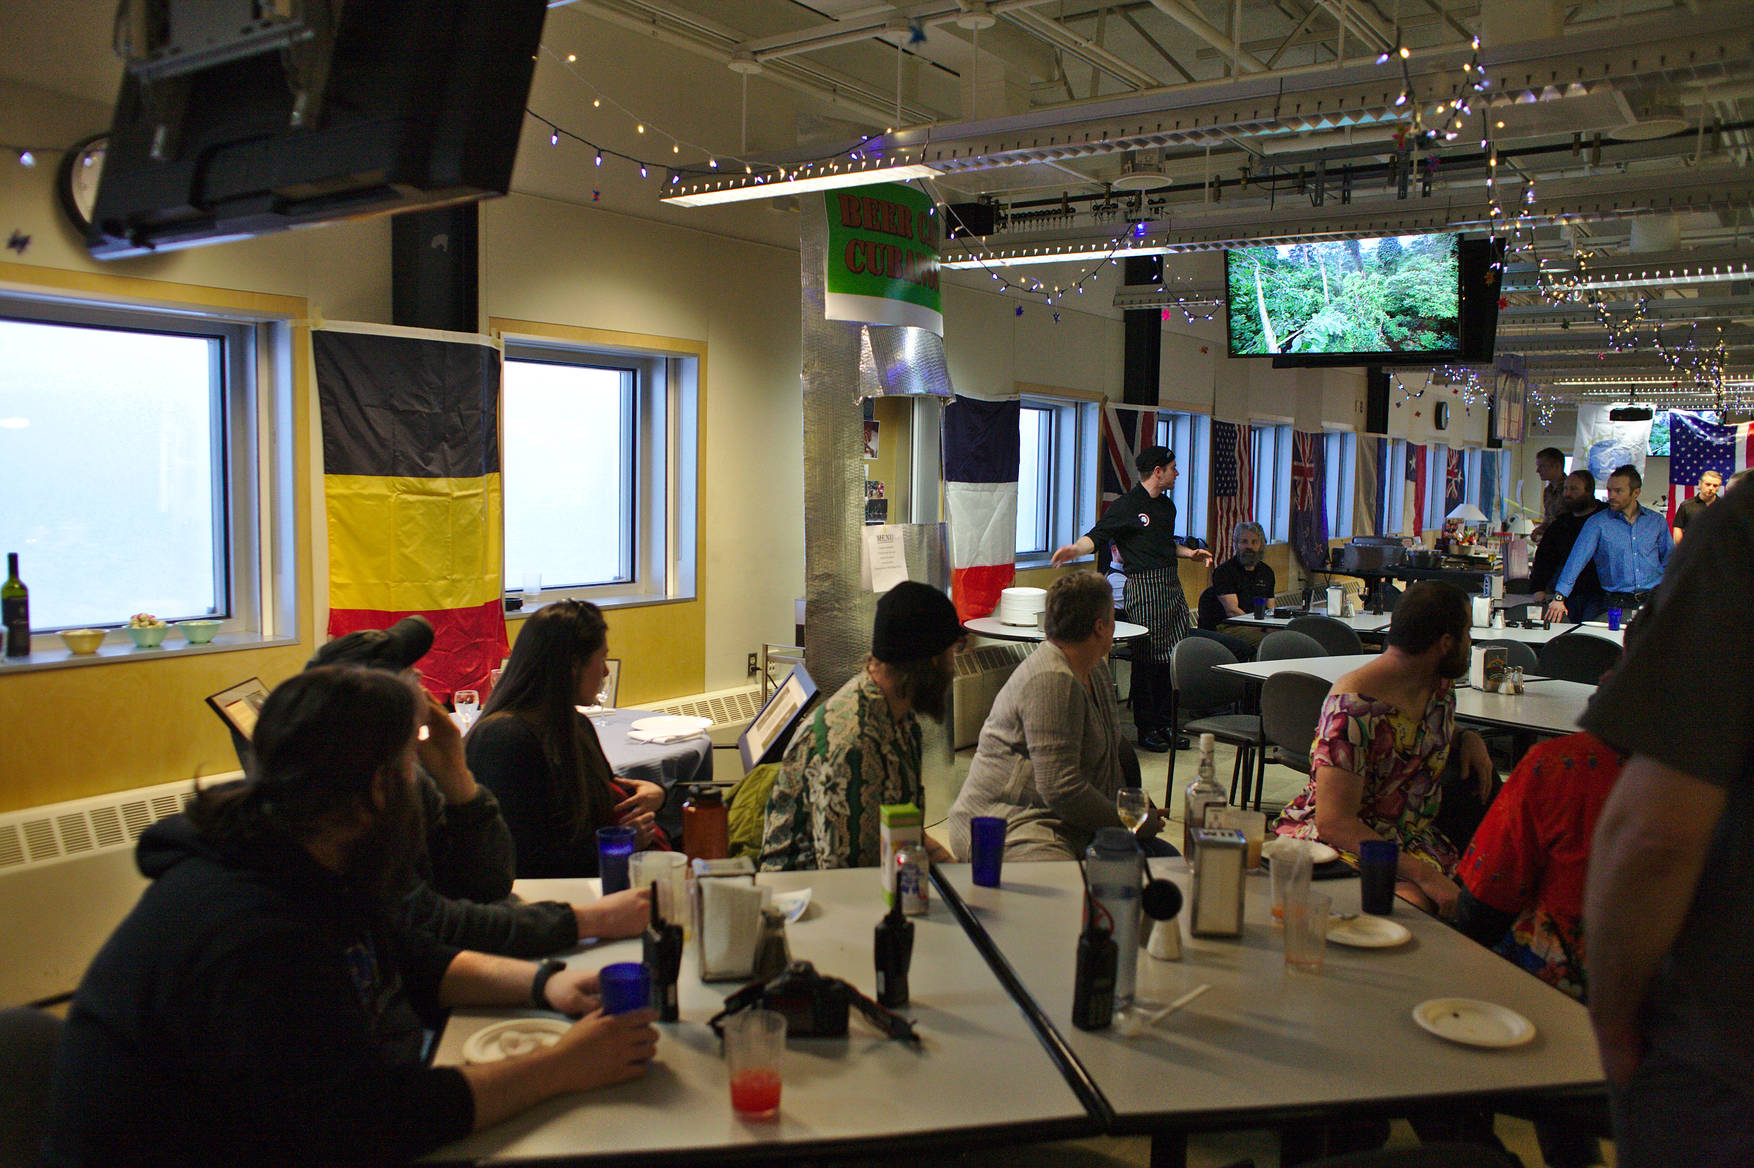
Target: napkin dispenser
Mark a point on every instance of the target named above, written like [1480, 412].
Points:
[1336, 600]
[1482, 611]
[1219, 855]
[1487, 667]
[727, 918]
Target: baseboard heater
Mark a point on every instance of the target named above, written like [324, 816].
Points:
[67, 878]
[729, 710]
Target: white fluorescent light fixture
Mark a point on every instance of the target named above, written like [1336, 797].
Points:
[1018, 257]
[826, 177]
[1609, 282]
[1669, 382]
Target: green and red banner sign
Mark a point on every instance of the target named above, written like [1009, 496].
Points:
[882, 257]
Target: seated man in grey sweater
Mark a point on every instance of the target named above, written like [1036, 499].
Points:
[1050, 756]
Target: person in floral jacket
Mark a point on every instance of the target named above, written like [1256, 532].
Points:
[861, 748]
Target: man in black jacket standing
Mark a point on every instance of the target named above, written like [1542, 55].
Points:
[261, 1005]
[1579, 503]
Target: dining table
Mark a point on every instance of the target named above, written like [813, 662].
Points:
[982, 1073]
[1547, 706]
[998, 630]
[1267, 1046]
[673, 765]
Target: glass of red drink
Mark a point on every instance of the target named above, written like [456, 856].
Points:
[754, 1042]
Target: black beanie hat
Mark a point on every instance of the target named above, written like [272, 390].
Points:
[914, 621]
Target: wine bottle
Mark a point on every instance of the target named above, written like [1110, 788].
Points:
[15, 610]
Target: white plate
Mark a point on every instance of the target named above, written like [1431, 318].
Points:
[792, 903]
[1319, 853]
[512, 1038]
[1368, 932]
[667, 725]
[1473, 1023]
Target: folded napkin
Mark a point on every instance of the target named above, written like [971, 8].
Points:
[659, 738]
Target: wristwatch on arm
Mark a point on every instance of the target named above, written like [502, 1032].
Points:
[539, 984]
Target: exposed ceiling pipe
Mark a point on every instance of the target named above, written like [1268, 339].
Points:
[844, 93]
[1182, 14]
[1087, 51]
[1360, 22]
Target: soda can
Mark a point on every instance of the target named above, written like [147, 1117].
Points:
[912, 870]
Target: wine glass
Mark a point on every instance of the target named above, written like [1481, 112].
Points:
[1133, 807]
[467, 703]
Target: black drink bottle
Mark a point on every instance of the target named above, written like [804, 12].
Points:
[894, 952]
[663, 960]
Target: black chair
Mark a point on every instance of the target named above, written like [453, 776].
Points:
[1578, 657]
[1286, 645]
[1337, 637]
[1517, 653]
[1197, 688]
[1291, 705]
[28, 1042]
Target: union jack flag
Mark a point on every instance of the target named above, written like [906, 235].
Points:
[1452, 480]
[1125, 432]
[1309, 515]
[1233, 483]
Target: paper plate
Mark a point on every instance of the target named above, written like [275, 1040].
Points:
[1283, 845]
[792, 903]
[513, 1037]
[1473, 1023]
[1367, 932]
[667, 725]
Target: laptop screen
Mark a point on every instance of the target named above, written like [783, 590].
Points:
[771, 729]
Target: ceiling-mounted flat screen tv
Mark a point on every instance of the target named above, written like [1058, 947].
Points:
[1353, 301]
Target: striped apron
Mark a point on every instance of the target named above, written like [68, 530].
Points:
[1154, 598]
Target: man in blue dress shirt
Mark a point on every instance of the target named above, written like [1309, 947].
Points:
[1629, 544]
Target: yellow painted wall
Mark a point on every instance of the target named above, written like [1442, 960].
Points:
[113, 725]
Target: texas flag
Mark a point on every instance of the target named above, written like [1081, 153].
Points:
[981, 450]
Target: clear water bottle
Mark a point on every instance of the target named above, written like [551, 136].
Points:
[1115, 869]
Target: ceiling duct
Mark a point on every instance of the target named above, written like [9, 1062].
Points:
[1653, 116]
[1137, 175]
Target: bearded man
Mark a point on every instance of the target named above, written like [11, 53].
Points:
[1382, 743]
[263, 1005]
[861, 748]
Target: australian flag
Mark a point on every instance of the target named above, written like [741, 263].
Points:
[1309, 513]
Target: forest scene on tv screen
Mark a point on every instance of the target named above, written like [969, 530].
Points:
[1399, 294]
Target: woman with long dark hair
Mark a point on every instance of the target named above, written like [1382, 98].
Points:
[541, 757]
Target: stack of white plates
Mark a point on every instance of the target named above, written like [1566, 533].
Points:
[1018, 606]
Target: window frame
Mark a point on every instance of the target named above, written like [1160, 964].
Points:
[1272, 487]
[253, 493]
[1072, 488]
[1340, 467]
[660, 560]
[1189, 435]
[1392, 514]
[1047, 489]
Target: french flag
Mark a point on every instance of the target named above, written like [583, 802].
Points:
[981, 450]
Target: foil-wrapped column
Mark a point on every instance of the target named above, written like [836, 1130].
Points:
[842, 360]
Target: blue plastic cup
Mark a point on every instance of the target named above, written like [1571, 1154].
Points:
[1377, 861]
[986, 834]
[1613, 620]
[1260, 608]
[614, 846]
[626, 986]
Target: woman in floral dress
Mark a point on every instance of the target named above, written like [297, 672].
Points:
[1383, 739]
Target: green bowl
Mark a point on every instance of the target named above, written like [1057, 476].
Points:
[148, 638]
[198, 632]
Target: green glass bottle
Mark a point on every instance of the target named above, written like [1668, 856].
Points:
[15, 610]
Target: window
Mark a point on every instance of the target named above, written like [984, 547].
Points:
[598, 470]
[130, 465]
[1190, 437]
[1391, 514]
[1056, 465]
[1437, 492]
[1340, 454]
[1271, 449]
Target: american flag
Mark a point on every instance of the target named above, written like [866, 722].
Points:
[1125, 432]
[1233, 482]
[1696, 446]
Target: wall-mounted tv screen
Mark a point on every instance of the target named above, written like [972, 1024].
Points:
[1398, 297]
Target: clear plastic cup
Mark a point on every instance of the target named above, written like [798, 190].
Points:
[1290, 879]
[667, 873]
[755, 1040]
[1306, 931]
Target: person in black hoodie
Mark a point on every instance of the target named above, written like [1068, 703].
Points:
[460, 888]
[261, 1005]
[1577, 505]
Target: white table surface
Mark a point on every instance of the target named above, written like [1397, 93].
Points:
[980, 1075]
[1263, 1042]
[1368, 623]
[1546, 705]
[987, 626]
[1362, 622]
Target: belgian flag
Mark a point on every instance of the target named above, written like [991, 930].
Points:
[411, 485]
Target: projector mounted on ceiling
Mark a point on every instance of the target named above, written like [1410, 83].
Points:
[1653, 116]
[1139, 176]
